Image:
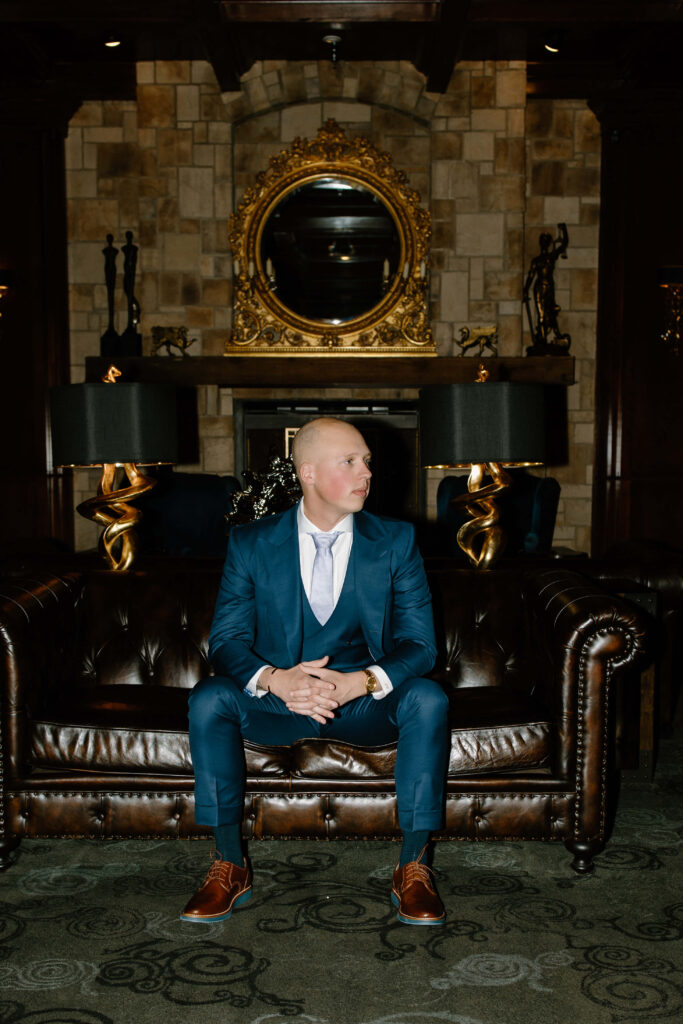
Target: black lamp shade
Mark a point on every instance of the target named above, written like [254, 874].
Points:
[123, 422]
[489, 422]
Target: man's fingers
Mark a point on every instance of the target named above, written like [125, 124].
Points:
[318, 713]
[318, 673]
[311, 702]
[312, 691]
[316, 663]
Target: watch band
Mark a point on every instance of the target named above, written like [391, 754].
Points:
[371, 681]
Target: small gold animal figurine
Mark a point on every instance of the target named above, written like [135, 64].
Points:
[484, 337]
[171, 337]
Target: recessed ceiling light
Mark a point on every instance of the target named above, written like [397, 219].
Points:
[553, 42]
[112, 42]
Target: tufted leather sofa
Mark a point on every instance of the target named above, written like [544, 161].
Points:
[96, 669]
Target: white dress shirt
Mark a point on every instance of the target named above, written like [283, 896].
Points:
[341, 551]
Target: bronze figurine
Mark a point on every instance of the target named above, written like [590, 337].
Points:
[169, 338]
[131, 339]
[110, 339]
[546, 334]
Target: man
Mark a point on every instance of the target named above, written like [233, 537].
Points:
[323, 628]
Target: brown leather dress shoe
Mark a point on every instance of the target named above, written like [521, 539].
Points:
[415, 895]
[225, 887]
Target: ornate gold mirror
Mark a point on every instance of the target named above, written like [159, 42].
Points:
[331, 255]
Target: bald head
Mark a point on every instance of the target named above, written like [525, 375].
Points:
[312, 439]
[331, 459]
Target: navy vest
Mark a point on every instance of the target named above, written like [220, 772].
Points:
[342, 636]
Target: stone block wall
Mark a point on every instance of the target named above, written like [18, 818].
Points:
[171, 166]
[563, 185]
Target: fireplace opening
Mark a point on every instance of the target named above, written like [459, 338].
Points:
[266, 428]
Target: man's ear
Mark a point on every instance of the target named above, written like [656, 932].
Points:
[306, 473]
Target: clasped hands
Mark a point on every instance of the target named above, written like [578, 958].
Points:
[311, 689]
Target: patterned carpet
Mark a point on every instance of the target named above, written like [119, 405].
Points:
[89, 932]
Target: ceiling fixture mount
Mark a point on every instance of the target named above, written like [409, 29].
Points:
[333, 41]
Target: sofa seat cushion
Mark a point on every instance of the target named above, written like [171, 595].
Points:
[144, 729]
[116, 728]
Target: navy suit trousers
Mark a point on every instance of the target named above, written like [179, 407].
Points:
[222, 715]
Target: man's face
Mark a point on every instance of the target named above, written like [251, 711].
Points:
[336, 475]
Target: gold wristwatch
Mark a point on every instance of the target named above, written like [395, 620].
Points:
[371, 681]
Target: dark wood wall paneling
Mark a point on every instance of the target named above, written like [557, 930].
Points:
[638, 485]
[34, 341]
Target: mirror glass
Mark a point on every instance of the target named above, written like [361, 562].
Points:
[330, 249]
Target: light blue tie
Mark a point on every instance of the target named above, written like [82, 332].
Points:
[322, 580]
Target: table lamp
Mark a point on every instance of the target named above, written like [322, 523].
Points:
[114, 425]
[486, 427]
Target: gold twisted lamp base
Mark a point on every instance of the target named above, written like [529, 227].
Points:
[110, 508]
[483, 538]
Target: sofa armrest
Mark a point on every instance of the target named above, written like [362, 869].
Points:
[38, 628]
[573, 611]
[584, 637]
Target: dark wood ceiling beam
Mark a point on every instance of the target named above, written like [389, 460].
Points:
[105, 12]
[573, 84]
[51, 103]
[553, 12]
[22, 57]
[442, 44]
[92, 81]
[325, 11]
[227, 55]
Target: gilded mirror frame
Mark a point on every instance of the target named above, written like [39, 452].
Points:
[397, 325]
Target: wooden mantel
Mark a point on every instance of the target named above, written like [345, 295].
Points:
[332, 371]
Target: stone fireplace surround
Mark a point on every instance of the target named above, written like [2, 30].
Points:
[494, 167]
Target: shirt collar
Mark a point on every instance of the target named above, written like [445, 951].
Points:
[306, 526]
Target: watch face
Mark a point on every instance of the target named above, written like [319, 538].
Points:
[370, 682]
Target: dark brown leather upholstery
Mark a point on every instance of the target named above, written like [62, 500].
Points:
[658, 567]
[96, 668]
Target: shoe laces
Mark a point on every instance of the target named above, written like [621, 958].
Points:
[415, 871]
[219, 871]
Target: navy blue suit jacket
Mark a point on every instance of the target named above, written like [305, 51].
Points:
[258, 616]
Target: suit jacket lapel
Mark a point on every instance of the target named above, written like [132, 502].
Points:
[283, 571]
[373, 580]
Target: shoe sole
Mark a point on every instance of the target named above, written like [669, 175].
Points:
[414, 920]
[240, 901]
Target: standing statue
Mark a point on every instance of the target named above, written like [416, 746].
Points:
[546, 334]
[131, 339]
[110, 339]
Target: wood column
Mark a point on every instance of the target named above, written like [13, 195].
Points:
[638, 475]
[34, 336]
